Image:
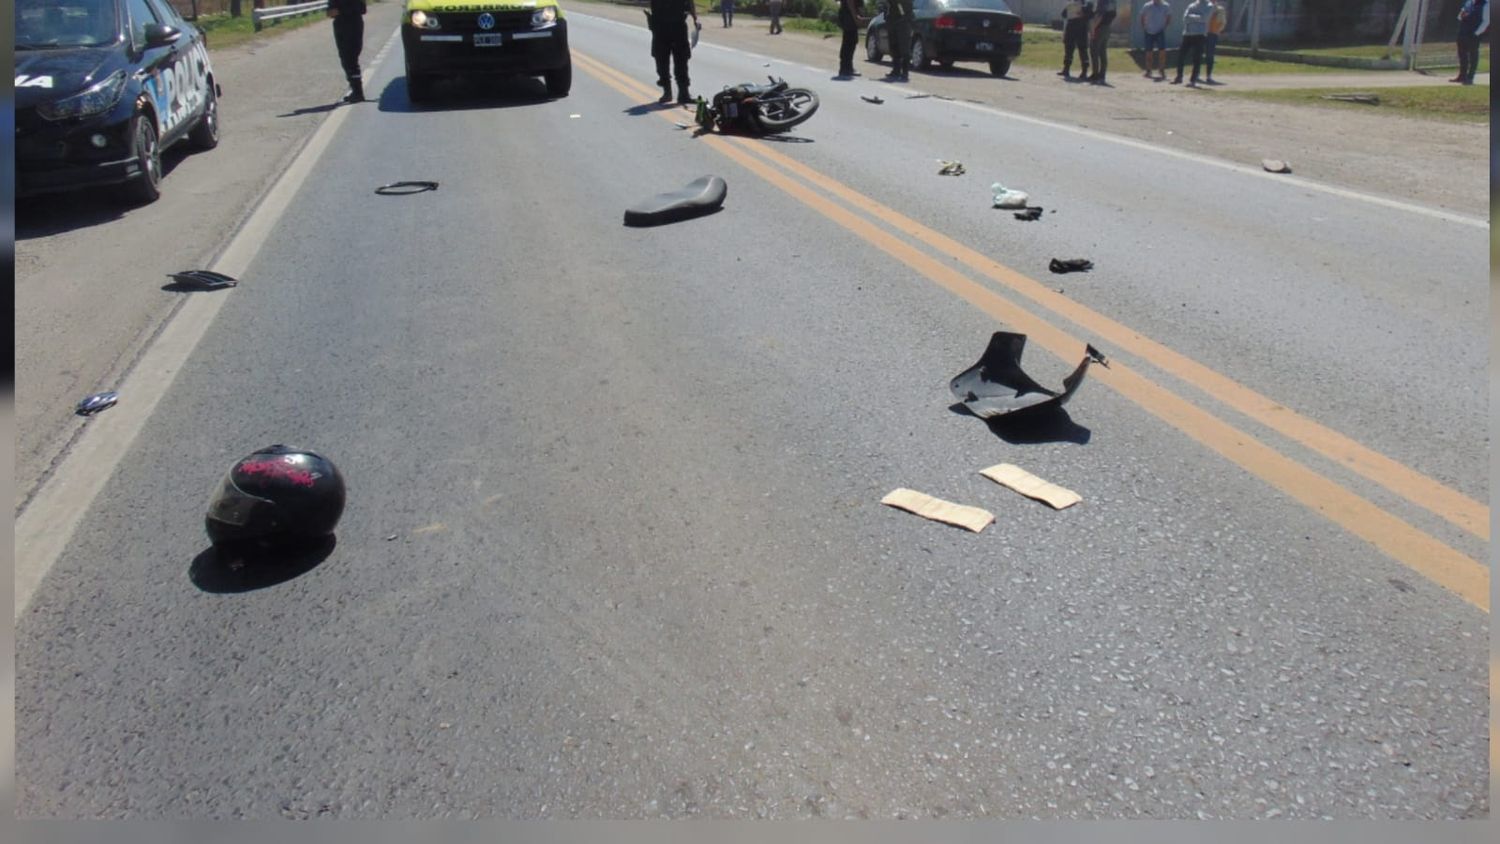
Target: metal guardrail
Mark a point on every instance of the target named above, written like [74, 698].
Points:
[260, 16]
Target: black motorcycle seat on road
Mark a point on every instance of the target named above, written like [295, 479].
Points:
[702, 196]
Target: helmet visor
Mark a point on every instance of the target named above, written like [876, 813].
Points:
[232, 505]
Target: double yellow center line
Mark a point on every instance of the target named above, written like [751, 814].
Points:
[1416, 549]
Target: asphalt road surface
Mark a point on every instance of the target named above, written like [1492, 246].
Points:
[614, 544]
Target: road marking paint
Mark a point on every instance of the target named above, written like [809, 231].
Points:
[1146, 146]
[1463, 511]
[49, 521]
[1414, 548]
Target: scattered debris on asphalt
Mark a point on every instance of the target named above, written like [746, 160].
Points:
[951, 168]
[96, 403]
[391, 538]
[405, 188]
[681, 125]
[1032, 212]
[1275, 165]
[875, 100]
[996, 386]
[938, 510]
[1367, 99]
[574, 116]
[1031, 486]
[1008, 198]
[703, 195]
[1070, 265]
[204, 279]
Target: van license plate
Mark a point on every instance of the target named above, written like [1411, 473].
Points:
[491, 39]
[984, 46]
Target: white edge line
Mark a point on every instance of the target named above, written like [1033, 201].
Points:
[47, 525]
[1094, 134]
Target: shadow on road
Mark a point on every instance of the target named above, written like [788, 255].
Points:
[317, 109]
[466, 93]
[227, 570]
[55, 213]
[1033, 427]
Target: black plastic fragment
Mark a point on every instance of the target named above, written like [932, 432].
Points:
[96, 403]
[996, 385]
[405, 188]
[204, 279]
[703, 195]
[1032, 212]
[1070, 265]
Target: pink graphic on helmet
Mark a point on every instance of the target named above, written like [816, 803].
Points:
[282, 469]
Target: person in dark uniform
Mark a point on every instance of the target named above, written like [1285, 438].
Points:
[899, 14]
[669, 45]
[349, 34]
[849, 26]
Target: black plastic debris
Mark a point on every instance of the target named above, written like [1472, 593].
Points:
[203, 279]
[996, 386]
[406, 188]
[1070, 265]
[875, 100]
[703, 195]
[1032, 212]
[96, 403]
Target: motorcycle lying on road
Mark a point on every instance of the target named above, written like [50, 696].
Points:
[750, 109]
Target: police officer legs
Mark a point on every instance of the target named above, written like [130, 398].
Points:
[900, 20]
[349, 37]
[849, 25]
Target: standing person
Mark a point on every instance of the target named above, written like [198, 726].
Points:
[349, 36]
[1194, 31]
[849, 25]
[1155, 17]
[1216, 23]
[1104, 16]
[775, 17]
[669, 45]
[898, 15]
[1076, 36]
[727, 8]
[1473, 23]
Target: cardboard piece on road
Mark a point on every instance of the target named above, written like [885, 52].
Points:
[938, 510]
[1031, 486]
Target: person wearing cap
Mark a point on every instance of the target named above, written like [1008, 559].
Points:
[670, 46]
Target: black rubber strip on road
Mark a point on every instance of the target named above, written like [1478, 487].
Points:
[405, 188]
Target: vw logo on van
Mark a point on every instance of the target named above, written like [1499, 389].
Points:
[486, 21]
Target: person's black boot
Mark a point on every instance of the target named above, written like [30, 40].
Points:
[683, 96]
[356, 90]
[666, 92]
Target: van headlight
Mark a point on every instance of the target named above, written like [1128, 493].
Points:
[95, 100]
[422, 20]
[543, 17]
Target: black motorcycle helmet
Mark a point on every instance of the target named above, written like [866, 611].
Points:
[276, 494]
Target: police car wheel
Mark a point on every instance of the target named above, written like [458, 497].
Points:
[559, 81]
[1000, 68]
[147, 147]
[872, 47]
[919, 58]
[205, 134]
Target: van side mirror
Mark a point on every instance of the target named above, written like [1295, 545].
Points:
[160, 35]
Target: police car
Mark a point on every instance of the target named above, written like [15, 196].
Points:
[451, 37]
[102, 88]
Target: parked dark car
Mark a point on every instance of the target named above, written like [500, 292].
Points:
[102, 88]
[945, 31]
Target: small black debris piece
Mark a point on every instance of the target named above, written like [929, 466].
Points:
[1070, 265]
[1032, 212]
[875, 100]
[96, 403]
[406, 188]
[703, 195]
[204, 279]
[996, 386]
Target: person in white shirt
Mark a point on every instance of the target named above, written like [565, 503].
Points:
[1194, 31]
[1155, 17]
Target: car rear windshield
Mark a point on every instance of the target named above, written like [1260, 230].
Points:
[987, 5]
[54, 24]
